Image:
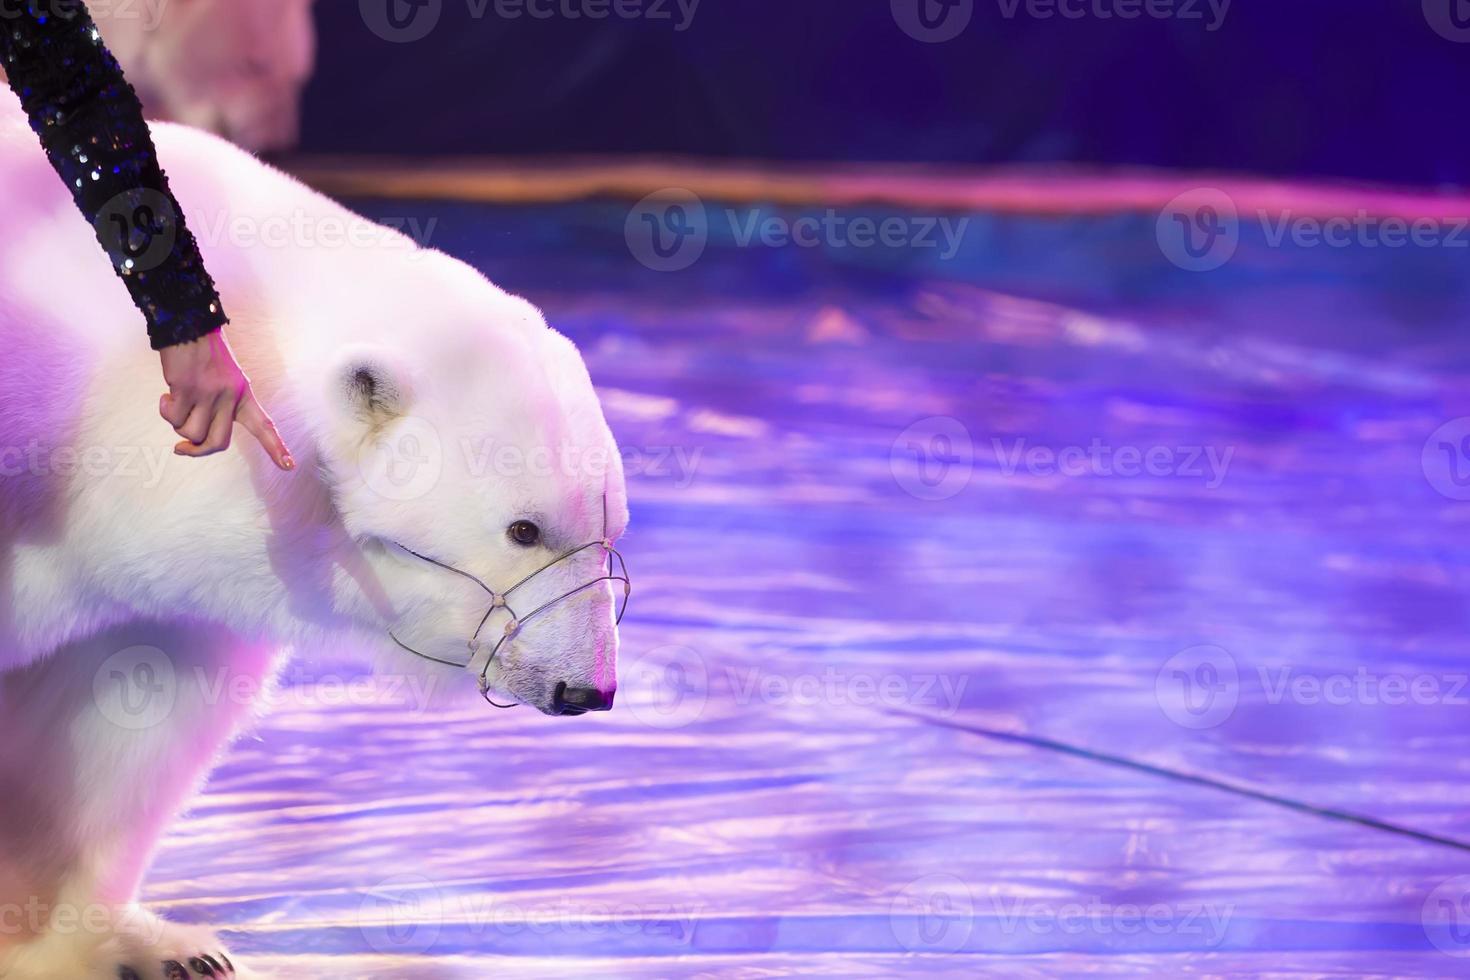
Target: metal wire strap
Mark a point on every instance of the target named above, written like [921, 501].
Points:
[617, 571]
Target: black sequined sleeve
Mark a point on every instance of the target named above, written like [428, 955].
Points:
[91, 126]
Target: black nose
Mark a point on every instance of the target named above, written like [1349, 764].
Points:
[580, 700]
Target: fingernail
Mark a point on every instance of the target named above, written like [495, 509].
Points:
[290, 463]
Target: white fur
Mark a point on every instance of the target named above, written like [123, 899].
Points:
[218, 563]
[234, 67]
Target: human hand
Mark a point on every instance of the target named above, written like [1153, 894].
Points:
[207, 394]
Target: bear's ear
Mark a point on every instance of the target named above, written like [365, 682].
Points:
[371, 388]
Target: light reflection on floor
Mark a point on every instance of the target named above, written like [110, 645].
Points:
[775, 793]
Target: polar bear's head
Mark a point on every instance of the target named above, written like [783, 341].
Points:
[469, 458]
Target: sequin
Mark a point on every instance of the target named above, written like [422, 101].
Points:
[76, 97]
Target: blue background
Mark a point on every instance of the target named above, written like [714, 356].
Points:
[1308, 88]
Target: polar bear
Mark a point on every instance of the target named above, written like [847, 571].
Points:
[449, 446]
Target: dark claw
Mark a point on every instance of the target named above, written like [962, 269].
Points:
[201, 968]
[226, 961]
[127, 973]
[219, 970]
[174, 970]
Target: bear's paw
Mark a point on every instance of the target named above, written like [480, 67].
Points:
[155, 949]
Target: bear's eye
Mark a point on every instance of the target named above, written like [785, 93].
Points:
[524, 533]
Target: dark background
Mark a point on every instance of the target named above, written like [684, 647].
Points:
[1310, 88]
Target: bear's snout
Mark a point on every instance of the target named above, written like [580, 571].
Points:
[580, 700]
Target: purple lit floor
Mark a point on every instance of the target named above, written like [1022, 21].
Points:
[749, 810]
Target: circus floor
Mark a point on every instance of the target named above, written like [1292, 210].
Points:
[1039, 607]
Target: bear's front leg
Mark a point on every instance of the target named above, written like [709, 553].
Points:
[100, 744]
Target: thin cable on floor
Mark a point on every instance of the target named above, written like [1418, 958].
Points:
[1051, 745]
